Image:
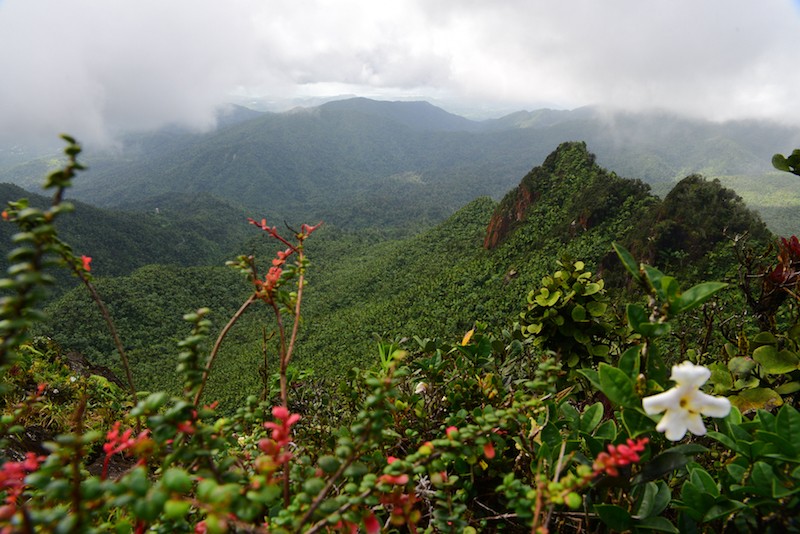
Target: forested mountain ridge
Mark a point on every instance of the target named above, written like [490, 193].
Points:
[410, 164]
[181, 230]
[437, 283]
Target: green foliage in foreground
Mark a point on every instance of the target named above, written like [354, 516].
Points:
[548, 425]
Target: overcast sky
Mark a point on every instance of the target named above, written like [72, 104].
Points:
[97, 67]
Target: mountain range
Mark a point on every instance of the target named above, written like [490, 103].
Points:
[360, 163]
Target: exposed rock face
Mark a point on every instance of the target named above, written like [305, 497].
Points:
[503, 222]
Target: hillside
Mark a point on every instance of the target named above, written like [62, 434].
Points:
[407, 165]
[437, 283]
[182, 230]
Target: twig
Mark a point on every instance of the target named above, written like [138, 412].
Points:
[212, 356]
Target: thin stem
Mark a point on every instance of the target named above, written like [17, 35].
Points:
[295, 327]
[213, 355]
[113, 331]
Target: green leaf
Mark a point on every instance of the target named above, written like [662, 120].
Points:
[723, 509]
[703, 480]
[660, 465]
[627, 261]
[660, 524]
[695, 296]
[720, 377]
[607, 431]
[741, 365]
[592, 376]
[648, 500]
[785, 447]
[654, 276]
[761, 476]
[754, 399]
[578, 313]
[596, 309]
[591, 417]
[774, 362]
[618, 386]
[764, 338]
[629, 362]
[788, 424]
[779, 162]
[640, 322]
[788, 388]
[615, 517]
[636, 422]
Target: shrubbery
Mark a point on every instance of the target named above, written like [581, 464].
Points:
[534, 428]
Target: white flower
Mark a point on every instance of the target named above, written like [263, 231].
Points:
[421, 388]
[685, 403]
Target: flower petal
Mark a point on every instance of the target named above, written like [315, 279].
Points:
[695, 424]
[689, 374]
[673, 424]
[711, 406]
[668, 400]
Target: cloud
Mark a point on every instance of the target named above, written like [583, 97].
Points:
[96, 68]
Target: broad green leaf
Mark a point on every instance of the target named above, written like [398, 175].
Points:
[761, 476]
[788, 388]
[754, 399]
[578, 313]
[741, 365]
[591, 417]
[648, 500]
[703, 480]
[723, 509]
[720, 377]
[618, 386]
[785, 447]
[596, 309]
[775, 362]
[779, 162]
[657, 523]
[629, 361]
[788, 424]
[636, 422]
[592, 376]
[660, 465]
[764, 338]
[592, 288]
[636, 316]
[695, 499]
[779, 491]
[655, 367]
[627, 261]
[607, 431]
[654, 277]
[695, 296]
[615, 517]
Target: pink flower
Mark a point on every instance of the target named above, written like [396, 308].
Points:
[488, 450]
[398, 480]
[451, 432]
[86, 261]
[619, 455]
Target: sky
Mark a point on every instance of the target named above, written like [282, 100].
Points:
[96, 68]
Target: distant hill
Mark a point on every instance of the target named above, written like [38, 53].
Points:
[406, 165]
[180, 230]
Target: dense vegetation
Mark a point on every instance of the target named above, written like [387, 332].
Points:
[437, 283]
[556, 410]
